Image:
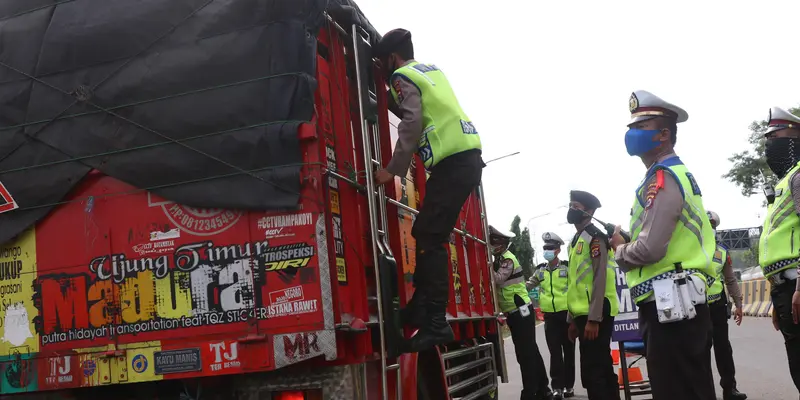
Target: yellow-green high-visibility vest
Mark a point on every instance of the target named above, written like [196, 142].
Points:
[717, 290]
[778, 247]
[581, 278]
[553, 286]
[692, 243]
[446, 129]
[514, 285]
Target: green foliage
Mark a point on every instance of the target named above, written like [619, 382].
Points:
[741, 259]
[522, 248]
[747, 164]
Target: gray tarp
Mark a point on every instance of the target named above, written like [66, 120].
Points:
[178, 97]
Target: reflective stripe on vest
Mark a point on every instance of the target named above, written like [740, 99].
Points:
[512, 286]
[553, 287]
[581, 278]
[692, 243]
[778, 246]
[716, 288]
[446, 129]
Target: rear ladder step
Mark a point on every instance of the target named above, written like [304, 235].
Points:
[470, 372]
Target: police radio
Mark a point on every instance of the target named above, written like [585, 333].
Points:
[610, 228]
[769, 191]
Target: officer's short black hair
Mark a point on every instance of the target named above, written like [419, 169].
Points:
[672, 125]
[405, 50]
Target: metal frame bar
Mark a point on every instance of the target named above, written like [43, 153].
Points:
[398, 204]
[500, 339]
[372, 207]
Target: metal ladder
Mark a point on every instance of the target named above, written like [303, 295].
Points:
[470, 372]
[385, 265]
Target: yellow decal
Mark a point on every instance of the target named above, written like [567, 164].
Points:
[341, 269]
[335, 202]
[17, 273]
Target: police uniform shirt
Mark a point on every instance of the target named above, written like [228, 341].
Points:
[504, 270]
[410, 129]
[795, 185]
[734, 291]
[661, 214]
[599, 255]
[534, 280]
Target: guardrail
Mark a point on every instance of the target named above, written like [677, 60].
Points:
[757, 301]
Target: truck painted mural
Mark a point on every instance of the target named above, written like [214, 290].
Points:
[167, 290]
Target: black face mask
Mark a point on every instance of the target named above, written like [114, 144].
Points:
[782, 154]
[575, 216]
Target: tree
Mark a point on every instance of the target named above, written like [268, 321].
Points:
[522, 248]
[747, 164]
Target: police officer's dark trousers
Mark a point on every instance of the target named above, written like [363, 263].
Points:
[678, 355]
[723, 351]
[597, 366]
[531, 364]
[562, 350]
[782, 303]
[450, 183]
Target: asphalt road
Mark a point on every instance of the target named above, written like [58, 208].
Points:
[761, 368]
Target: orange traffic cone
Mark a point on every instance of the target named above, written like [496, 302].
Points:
[634, 375]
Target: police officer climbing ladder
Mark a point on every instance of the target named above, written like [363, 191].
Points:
[780, 239]
[435, 127]
[670, 232]
[552, 281]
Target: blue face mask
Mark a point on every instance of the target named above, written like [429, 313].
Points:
[640, 141]
[549, 255]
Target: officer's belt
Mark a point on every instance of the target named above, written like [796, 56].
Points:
[780, 264]
[647, 286]
[516, 310]
[714, 297]
[784, 276]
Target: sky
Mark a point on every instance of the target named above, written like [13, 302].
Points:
[552, 79]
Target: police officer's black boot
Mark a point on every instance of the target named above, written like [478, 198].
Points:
[434, 330]
[733, 394]
[413, 315]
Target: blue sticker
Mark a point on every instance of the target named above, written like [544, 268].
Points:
[562, 273]
[424, 68]
[424, 150]
[468, 128]
[139, 363]
[88, 367]
[695, 188]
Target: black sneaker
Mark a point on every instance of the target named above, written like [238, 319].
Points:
[558, 394]
[569, 392]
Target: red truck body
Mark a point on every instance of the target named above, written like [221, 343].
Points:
[119, 286]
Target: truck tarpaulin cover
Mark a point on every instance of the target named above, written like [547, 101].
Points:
[198, 101]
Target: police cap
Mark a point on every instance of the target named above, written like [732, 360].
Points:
[713, 217]
[587, 199]
[645, 105]
[390, 41]
[781, 119]
[552, 238]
